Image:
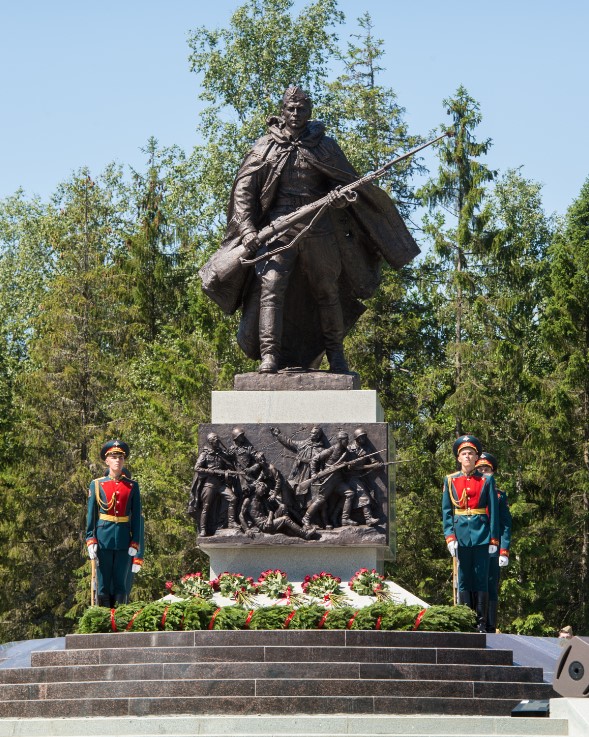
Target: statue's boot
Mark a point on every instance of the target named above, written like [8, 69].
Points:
[347, 511]
[368, 518]
[104, 601]
[120, 599]
[481, 604]
[203, 522]
[492, 616]
[311, 509]
[268, 365]
[337, 361]
[232, 523]
[270, 329]
[288, 524]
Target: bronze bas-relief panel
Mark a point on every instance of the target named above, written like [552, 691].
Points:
[272, 485]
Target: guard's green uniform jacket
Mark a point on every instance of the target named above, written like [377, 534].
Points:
[113, 521]
[470, 517]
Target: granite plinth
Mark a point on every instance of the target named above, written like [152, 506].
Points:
[298, 561]
[305, 381]
[331, 405]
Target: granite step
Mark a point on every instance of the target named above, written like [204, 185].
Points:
[267, 687]
[256, 705]
[296, 726]
[273, 653]
[225, 638]
[170, 671]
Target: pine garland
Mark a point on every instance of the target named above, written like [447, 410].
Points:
[271, 618]
[199, 614]
[231, 618]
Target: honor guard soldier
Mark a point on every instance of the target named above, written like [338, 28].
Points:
[471, 525]
[113, 525]
[487, 464]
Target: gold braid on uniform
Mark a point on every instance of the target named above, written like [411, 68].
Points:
[102, 506]
[462, 503]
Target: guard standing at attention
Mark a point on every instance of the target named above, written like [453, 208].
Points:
[487, 463]
[113, 524]
[471, 525]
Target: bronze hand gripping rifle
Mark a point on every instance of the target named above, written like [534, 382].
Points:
[282, 224]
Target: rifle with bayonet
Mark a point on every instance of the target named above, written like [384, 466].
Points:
[332, 469]
[219, 472]
[284, 223]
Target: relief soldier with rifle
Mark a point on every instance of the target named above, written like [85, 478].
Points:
[211, 485]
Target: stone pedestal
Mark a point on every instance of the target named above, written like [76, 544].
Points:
[297, 562]
[328, 400]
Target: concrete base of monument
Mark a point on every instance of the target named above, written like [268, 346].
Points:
[298, 562]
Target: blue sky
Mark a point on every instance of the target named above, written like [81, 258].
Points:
[88, 83]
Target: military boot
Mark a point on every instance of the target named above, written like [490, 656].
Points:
[368, 518]
[492, 616]
[203, 522]
[231, 521]
[337, 362]
[482, 601]
[346, 519]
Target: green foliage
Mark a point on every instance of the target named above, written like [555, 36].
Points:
[231, 618]
[199, 614]
[270, 618]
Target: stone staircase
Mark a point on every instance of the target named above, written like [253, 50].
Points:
[284, 673]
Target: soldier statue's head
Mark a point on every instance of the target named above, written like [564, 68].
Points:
[213, 440]
[343, 438]
[316, 432]
[114, 447]
[294, 93]
[487, 463]
[238, 435]
[360, 436]
[296, 111]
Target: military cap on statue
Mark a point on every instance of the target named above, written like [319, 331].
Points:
[487, 459]
[467, 441]
[114, 446]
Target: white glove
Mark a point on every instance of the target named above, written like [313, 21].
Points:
[93, 551]
[132, 551]
[503, 561]
[136, 567]
[492, 549]
[452, 547]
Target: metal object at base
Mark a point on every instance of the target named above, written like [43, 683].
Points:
[534, 708]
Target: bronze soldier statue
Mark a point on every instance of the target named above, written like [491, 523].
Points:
[358, 477]
[302, 301]
[269, 515]
[305, 450]
[211, 485]
[333, 484]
